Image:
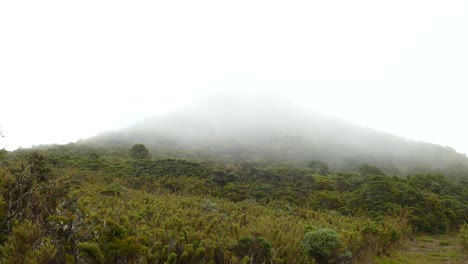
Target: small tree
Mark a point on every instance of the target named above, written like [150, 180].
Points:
[139, 152]
[367, 169]
[26, 192]
[319, 167]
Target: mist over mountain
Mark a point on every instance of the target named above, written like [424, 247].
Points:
[236, 128]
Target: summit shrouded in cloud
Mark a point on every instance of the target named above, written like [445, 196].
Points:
[247, 131]
[236, 128]
[72, 70]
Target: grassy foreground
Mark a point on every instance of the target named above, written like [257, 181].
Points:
[428, 250]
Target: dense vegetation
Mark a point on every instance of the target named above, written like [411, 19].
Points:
[80, 204]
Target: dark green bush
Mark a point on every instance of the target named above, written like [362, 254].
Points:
[91, 251]
[258, 249]
[323, 245]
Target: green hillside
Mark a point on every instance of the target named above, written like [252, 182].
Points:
[236, 129]
[83, 204]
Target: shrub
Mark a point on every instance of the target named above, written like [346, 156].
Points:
[209, 206]
[319, 167]
[92, 251]
[113, 190]
[463, 235]
[324, 245]
[139, 152]
[26, 244]
[367, 169]
[259, 250]
[172, 259]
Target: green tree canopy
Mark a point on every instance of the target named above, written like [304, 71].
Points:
[367, 169]
[139, 151]
[319, 167]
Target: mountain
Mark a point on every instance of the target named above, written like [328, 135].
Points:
[237, 128]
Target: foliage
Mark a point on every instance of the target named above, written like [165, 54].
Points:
[3, 154]
[426, 249]
[27, 245]
[463, 236]
[91, 251]
[258, 250]
[319, 167]
[121, 210]
[323, 245]
[139, 152]
[367, 169]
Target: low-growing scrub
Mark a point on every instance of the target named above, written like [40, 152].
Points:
[463, 236]
[139, 210]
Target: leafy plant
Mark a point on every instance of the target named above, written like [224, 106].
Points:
[91, 251]
[324, 245]
[26, 244]
[463, 236]
[139, 152]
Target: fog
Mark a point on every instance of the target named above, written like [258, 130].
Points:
[233, 127]
[73, 70]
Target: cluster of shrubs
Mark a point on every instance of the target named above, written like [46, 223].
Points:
[103, 207]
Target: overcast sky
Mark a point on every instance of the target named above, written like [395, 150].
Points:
[71, 69]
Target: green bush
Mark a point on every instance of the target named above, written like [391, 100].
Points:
[258, 249]
[172, 259]
[463, 235]
[91, 250]
[324, 245]
[26, 244]
[139, 152]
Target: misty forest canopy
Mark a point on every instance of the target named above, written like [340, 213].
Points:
[235, 128]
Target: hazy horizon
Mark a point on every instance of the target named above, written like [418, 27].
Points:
[73, 70]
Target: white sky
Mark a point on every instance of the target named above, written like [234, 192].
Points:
[71, 69]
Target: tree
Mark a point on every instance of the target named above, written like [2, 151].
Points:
[367, 169]
[28, 193]
[319, 167]
[139, 152]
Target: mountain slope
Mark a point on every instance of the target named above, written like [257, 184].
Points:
[236, 128]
